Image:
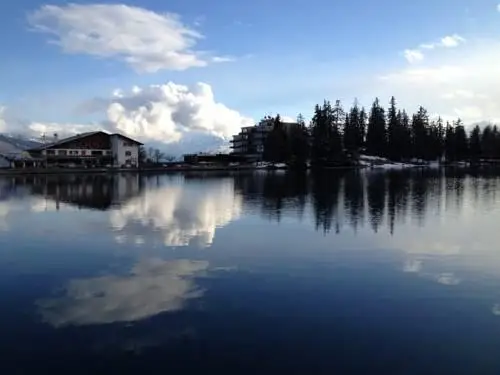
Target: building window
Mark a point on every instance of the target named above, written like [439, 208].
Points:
[128, 153]
[96, 153]
[50, 152]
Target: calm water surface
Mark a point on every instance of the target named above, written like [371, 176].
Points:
[340, 273]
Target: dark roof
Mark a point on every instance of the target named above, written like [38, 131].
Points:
[77, 137]
[130, 139]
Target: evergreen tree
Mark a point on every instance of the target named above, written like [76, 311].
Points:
[361, 129]
[337, 118]
[450, 149]
[376, 132]
[475, 143]
[299, 143]
[394, 132]
[276, 145]
[406, 140]
[440, 137]
[351, 129]
[419, 125]
[320, 135]
[461, 141]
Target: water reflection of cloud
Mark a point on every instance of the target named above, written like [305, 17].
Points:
[496, 309]
[152, 287]
[4, 212]
[179, 213]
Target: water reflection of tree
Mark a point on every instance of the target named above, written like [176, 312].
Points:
[376, 199]
[325, 195]
[274, 193]
[354, 199]
[398, 188]
[350, 198]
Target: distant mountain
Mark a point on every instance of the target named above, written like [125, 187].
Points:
[10, 144]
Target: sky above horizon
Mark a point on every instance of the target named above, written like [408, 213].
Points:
[187, 74]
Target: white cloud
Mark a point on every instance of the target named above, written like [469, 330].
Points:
[453, 83]
[178, 214]
[221, 59]
[146, 40]
[452, 41]
[3, 125]
[152, 287]
[413, 55]
[416, 55]
[166, 112]
[498, 7]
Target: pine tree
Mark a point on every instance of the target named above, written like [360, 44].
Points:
[276, 145]
[419, 125]
[475, 143]
[351, 129]
[450, 148]
[361, 129]
[320, 135]
[299, 143]
[376, 133]
[461, 141]
[337, 120]
[406, 140]
[394, 132]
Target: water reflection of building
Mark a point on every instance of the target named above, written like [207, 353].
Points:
[100, 191]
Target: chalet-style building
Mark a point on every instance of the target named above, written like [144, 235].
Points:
[91, 149]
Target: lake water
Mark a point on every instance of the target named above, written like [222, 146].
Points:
[255, 273]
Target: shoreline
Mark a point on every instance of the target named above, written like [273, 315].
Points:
[166, 170]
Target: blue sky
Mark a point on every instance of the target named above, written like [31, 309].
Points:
[284, 57]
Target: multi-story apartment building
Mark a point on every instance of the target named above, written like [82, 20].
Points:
[250, 140]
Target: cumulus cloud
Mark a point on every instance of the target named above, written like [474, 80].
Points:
[145, 40]
[416, 55]
[153, 286]
[166, 112]
[179, 214]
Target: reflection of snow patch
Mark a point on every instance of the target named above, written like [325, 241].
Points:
[412, 266]
[152, 287]
[448, 279]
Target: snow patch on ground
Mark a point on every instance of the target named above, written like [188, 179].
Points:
[377, 162]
